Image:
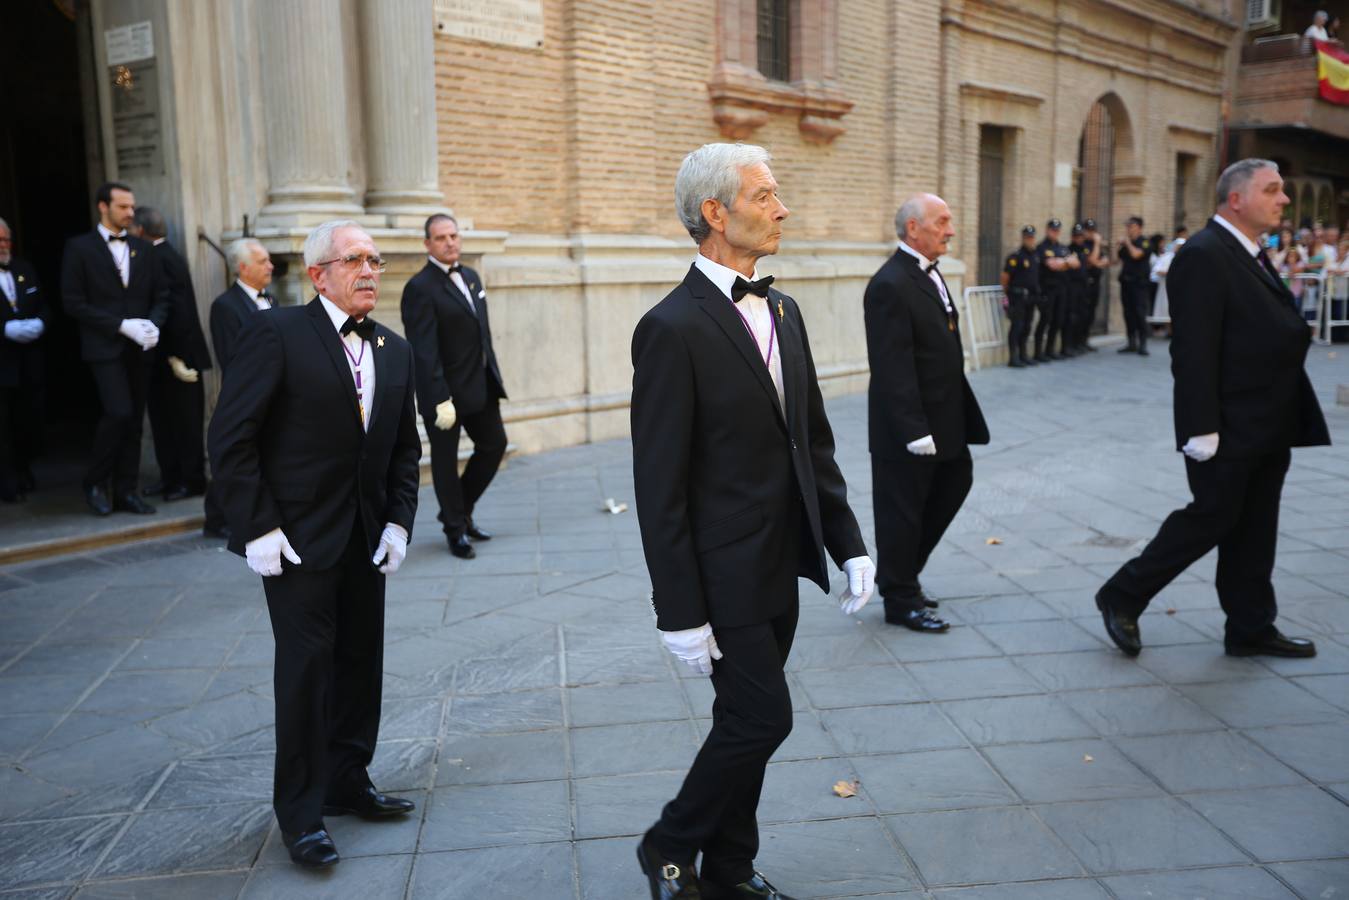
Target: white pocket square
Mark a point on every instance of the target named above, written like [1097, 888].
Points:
[481, 294]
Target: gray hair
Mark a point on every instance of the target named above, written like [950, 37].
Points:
[241, 251]
[1238, 175]
[712, 172]
[913, 208]
[319, 245]
[151, 221]
[5, 226]
[1321, 16]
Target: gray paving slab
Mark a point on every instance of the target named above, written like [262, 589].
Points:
[533, 715]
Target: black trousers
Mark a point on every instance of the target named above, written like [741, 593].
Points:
[1045, 308]
[177, 418]
[716, 808]
[1074, 332]
[329, 669]
[914, 498]
[20, 424]
[1019, 309]
[1057, 295]
[1134, 298]
[116, 452]
[1236, 509]
[1093, 299]
[458, 494]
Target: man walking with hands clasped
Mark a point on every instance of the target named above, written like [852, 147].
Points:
[738, 495]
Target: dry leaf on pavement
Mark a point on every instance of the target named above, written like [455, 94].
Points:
[993, 541]
[847, 788]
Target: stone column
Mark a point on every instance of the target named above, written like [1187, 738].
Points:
[309, 159]
[398, 48]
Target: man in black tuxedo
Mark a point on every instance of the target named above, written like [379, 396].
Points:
[1242, 399]
[230, 312]
[459, 383]
[21, 377]
[738, 495]
[112, 285]
[176, 401]
[314, 444]
[921, 412]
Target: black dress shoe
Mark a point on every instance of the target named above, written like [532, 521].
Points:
[369, 804]
[98, 501]
[313, 849]
[1143, 351]
[927, 599]
[176, 492]
[461, 548]
[918, 620]
[1276, 644]
[1122, 628]
[668, 880]
[153, 488]
[132, 504]
[757, 886]
[477, 533]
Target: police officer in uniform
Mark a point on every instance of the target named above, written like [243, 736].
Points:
[1075, 333]
[1098, 260]
[1054, 263]
[1020, 281]
[1134, 276]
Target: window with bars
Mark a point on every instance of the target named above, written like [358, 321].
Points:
[774, 35]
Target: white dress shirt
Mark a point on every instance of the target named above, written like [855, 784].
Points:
[260, 302]
[357, 350]
[932, 276]
[757, 311]
[458, 280]
[1251, 246]
[9, 288]
[121, 253]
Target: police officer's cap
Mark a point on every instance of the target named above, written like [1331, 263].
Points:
[1028, 231]
[1052, 224]
[1089, 224]
[1078, 229]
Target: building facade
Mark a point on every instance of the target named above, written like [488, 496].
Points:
[553, 130]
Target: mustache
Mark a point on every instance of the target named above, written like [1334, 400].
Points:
[366, 284]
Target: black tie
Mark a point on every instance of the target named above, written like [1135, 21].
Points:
[454, 267]
[116, 237]
[1268, 266]
[743, 287]
[4, 267]
[365, 328]
[931, 267]
[263, 295]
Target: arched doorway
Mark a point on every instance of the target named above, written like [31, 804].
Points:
[1096, 189]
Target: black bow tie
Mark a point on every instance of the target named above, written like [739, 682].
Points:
[263, 295]
[453, 267]
[116, 237]
[4, 267]
[931, 267]
[365, 328]
[743, 287]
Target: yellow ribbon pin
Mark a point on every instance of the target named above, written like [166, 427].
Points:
[379, 341]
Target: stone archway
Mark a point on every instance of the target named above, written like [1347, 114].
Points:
[1109, 185]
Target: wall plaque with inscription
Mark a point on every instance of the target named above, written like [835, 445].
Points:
[137, 138]
[513, 23]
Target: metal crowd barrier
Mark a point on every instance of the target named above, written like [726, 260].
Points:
[1324, 303]
[982, 318]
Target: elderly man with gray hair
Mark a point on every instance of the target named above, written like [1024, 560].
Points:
[922, 415]
[314, 446]
[1242, 399]
[738, 495]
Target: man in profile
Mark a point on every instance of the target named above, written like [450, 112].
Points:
[1242, 399]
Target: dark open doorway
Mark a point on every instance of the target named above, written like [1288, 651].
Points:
[44, 196]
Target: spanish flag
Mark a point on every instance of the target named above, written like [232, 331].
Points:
[1332, 71]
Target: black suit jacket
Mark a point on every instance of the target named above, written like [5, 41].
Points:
[93, 295]
[287, 448]
[735, 498]
[22, 363]
[452, 343]
[918, 385]
[1238, 348]
[230, 312]
[182, 336]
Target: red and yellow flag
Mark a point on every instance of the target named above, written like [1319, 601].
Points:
[1332, 71]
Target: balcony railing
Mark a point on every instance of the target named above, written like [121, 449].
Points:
[1277, 88]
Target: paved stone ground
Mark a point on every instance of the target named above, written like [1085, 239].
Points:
[534, 717]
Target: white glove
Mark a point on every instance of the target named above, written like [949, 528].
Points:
[924, 446]
[393, 545]
[1201, 448]
[20, 332]
[264, 553]
[695, 646]
[35, 327]
[182, 372]
[446, 415]
[142, 332]
[861, 572]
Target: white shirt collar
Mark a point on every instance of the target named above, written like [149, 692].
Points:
[444, 267]
[1251, 246]
[720, 276]
[922, 260]
[107, 234]
[250, 291]
[335, 315]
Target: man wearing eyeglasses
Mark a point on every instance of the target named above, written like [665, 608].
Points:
[459, 383]
[314, 444]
